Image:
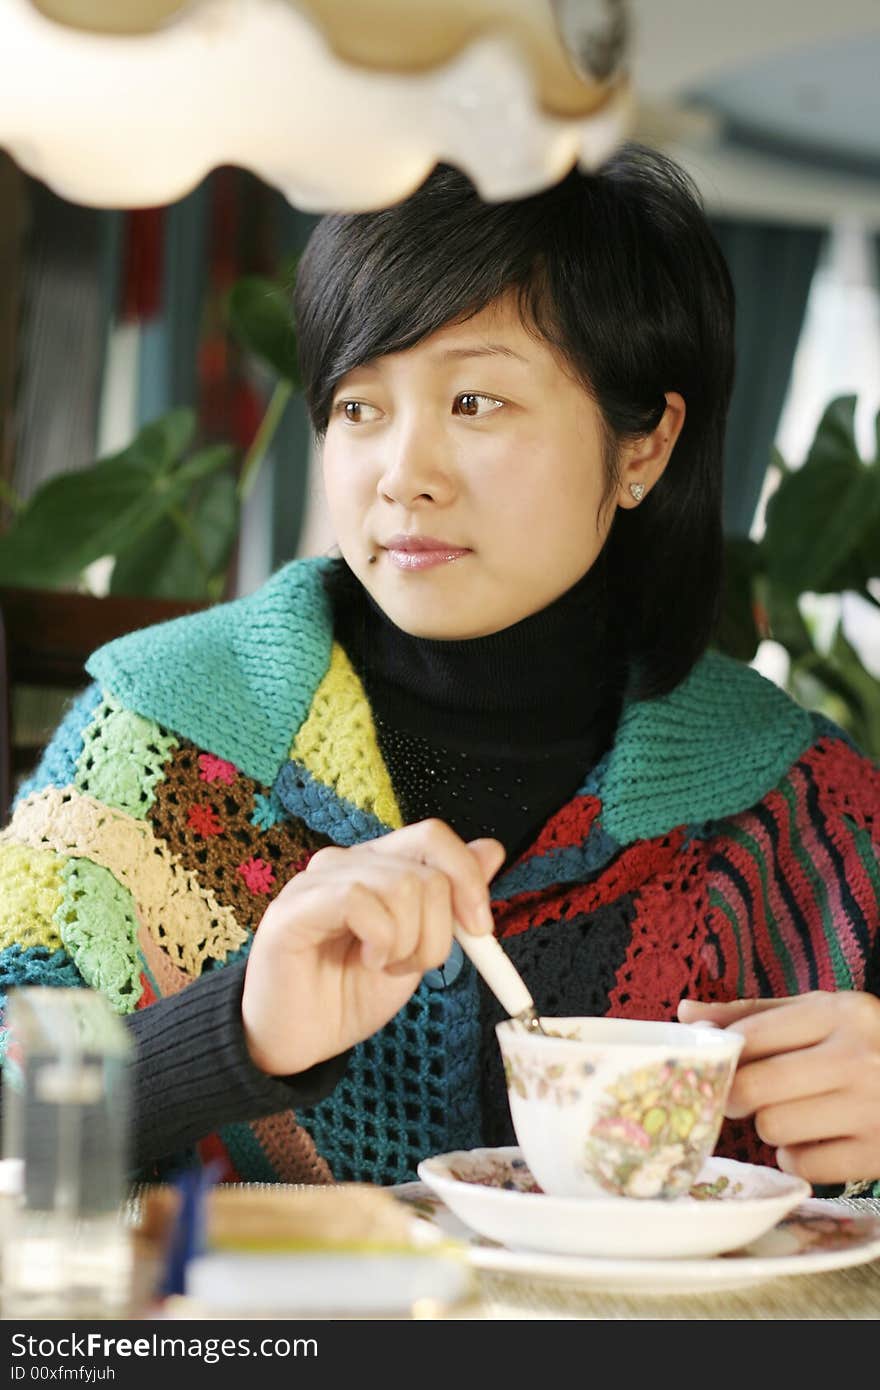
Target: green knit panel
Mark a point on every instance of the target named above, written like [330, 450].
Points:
[237, 679]
[97, 922]
[712, 747]
[123, 757]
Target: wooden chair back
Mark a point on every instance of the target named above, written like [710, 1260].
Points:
[45, 641]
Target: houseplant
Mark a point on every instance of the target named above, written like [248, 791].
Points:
[167, 510]
[822, 537]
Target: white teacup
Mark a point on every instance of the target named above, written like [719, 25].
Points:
[617, 1107]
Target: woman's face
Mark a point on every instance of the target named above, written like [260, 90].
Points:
[478, 439]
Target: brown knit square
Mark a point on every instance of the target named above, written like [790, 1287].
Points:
[203, 810]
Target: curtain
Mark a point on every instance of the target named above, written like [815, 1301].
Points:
[772, 267]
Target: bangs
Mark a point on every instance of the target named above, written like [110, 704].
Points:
[379, 283]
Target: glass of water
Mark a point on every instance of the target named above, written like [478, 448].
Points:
[67, 1251]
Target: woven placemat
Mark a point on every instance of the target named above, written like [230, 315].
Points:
[851, 1293]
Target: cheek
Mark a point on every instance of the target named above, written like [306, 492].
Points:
[345, 488]
[552, 500]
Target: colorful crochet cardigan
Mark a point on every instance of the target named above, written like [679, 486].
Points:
[727, 845]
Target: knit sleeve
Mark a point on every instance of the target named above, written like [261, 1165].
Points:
[193, 1072]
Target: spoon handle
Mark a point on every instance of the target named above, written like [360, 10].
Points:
[497, 969]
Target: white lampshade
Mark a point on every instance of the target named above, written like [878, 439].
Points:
[342, 104]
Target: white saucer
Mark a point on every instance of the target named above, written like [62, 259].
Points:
[815, 1237]
[494, 1193]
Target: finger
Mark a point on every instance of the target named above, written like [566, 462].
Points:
[435, 940]
[803, 1023]
[401, 890]
[326, 857]
[357, 910]
[437, 922]
[691, 1010]
[490, 853]
[435, 843]
[833, 1161]
[808, 1121]
[797, 1023]
[808, 1071]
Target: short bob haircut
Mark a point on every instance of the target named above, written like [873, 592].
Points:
[618, 270]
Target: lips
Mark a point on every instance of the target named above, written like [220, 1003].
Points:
[411, 553]
[419, 544]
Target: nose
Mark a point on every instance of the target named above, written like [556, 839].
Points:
[416, 466]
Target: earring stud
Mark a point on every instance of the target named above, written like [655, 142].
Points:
[637, 490]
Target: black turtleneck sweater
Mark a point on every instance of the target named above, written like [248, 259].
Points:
[492, 734]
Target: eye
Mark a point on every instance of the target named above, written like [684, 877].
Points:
[471, 397]
[347, 410]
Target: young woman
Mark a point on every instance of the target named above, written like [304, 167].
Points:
[497, 705]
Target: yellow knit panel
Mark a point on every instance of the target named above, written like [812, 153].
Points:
[337, 743]
[31, 891]
[182, 916]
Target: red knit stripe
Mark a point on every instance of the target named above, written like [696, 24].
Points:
[148, 994]
[212, 1149]
[665, 955]
[837, 770]
[754, 918]
[766, 882]
[847, 782]
[740, 980]
[559, 903]
[567, 828]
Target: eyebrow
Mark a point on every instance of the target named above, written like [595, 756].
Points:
[489, 350]
[452, 354]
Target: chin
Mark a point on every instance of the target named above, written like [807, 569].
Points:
[443, 629]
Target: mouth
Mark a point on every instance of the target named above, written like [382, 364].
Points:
[407, 552]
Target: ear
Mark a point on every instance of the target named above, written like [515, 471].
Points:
[644, 459]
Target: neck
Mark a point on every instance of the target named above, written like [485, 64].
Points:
[548, 677]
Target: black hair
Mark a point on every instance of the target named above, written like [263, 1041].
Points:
[619, 271]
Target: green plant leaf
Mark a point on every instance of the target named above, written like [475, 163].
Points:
[836, 431]
[824, 689]
[160, 444]
[203, 464]
[866, 687]
[787, 625]
[819, 514]
[261, 316]
[163, 562]
[78, 517]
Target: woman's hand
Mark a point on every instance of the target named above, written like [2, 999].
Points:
[810, 1074]
[347, 940]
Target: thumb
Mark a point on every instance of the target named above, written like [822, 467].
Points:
[490, 855]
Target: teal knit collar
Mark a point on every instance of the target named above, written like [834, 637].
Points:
[239, 679]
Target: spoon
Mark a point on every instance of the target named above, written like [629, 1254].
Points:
[501, 975]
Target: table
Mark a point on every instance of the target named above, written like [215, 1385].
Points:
[847, 1294]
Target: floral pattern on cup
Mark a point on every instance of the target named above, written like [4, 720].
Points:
[655, 1127]
[558, 1082]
